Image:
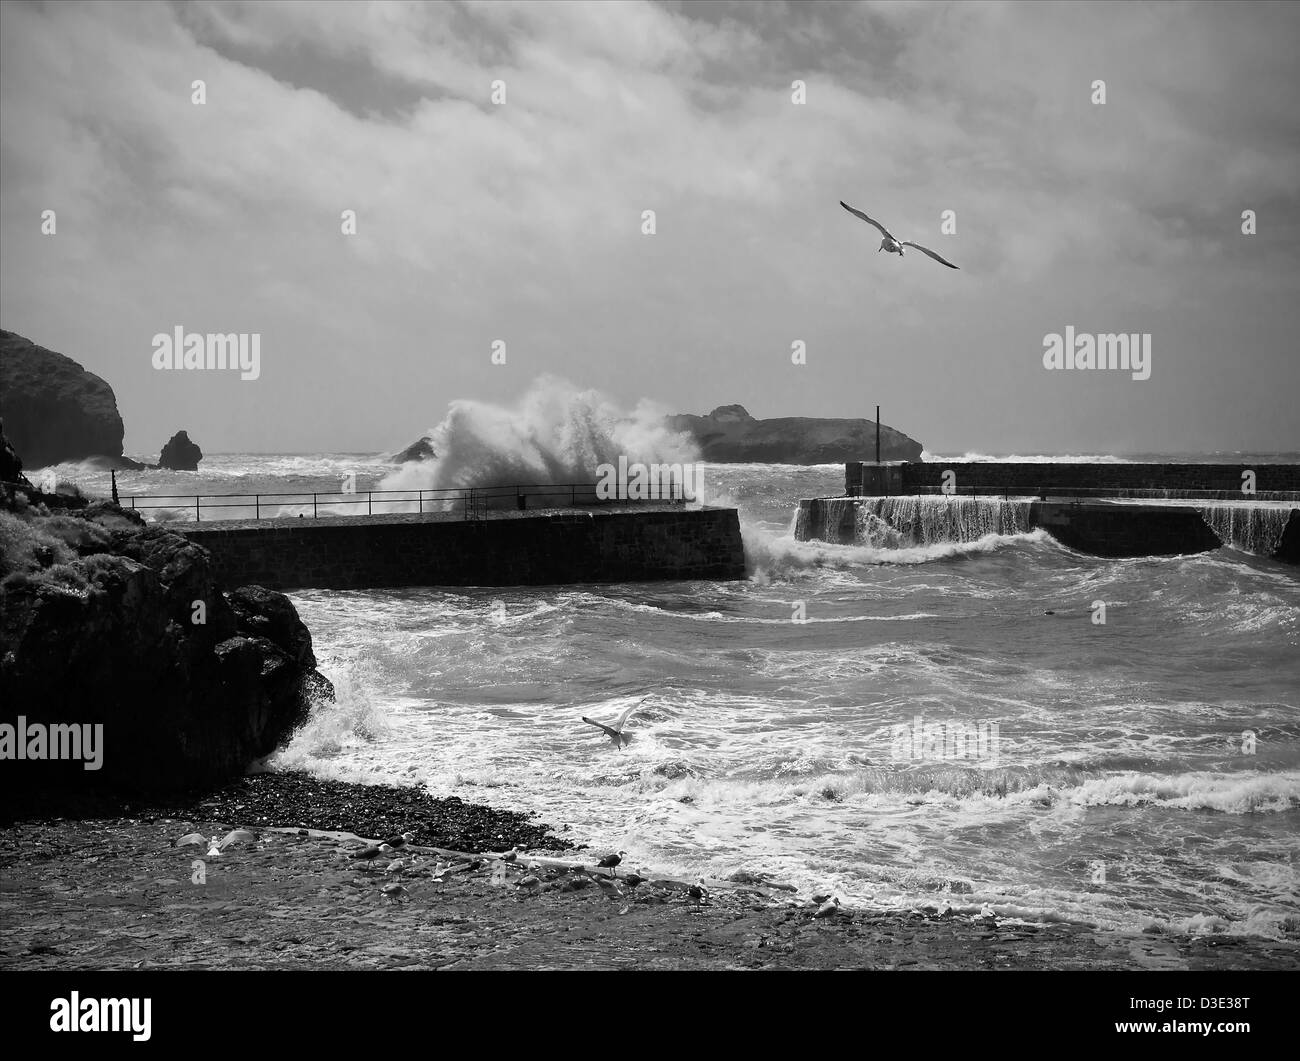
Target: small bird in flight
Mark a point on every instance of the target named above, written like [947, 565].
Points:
[615, 732]
[892, 245]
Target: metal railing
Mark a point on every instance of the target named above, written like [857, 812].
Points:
[473, 502]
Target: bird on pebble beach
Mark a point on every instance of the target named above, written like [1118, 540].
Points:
[395, 868]
[529, 885]
[615, 732]
[371, 853]
[829, 908]
[698, 891]
[633, 879]
[611, 861]
[511, 855]
[399, 842]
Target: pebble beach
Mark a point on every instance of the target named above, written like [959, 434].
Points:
[112, 888]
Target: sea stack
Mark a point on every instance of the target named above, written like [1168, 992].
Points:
[180, 454]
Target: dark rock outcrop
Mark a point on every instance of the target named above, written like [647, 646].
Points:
[180, 454]
[53, 409]
[11, 466]
[419, 450]
[104, 621]
[730, 435]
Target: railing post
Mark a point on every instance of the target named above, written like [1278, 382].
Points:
[370, 510]
[421, 500]
[314, 513]
[197, 518]
[257, 506]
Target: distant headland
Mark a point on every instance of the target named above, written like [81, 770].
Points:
[729, 435]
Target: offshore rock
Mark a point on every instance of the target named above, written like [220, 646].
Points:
[180, 454]
[730, 435]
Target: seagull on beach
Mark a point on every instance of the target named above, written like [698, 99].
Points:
[615, 732]
[893, 245]
[371, 853]
[611, 861]
[399, 842]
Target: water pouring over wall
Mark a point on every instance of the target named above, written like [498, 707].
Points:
[902, 522]
[1252, 528]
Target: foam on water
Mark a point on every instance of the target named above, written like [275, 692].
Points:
[766, 744]
[556, 433]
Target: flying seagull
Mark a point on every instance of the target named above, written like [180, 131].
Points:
[892, 245]
[615, 732]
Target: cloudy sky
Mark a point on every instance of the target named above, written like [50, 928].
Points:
[522, 221]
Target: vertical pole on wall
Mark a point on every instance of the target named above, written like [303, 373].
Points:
[877, 434]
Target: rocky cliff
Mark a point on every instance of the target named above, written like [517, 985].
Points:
[106, 622]
[730, 435]
[11, 466]
[53, 409]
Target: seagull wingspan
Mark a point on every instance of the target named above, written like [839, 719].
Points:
[858, 213]
[622, 719]
[926, 250]
[611, 733]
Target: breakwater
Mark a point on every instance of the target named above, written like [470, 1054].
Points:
[1101, 527]
[1267, 482]
[553, 547]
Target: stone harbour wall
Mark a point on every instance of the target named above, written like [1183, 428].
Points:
[541, 548]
